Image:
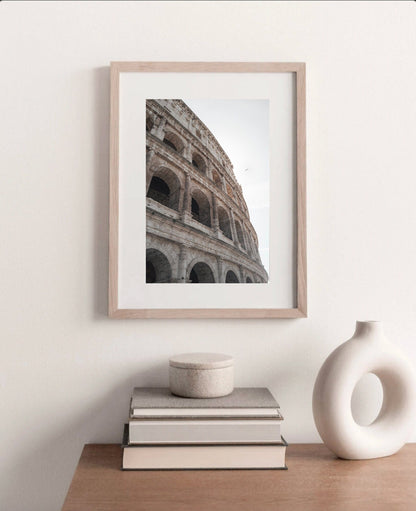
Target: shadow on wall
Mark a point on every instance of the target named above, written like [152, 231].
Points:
[101, 188]
[51, 462]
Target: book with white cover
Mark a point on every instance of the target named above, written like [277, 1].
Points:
[203, 457]
[158, 402]
[204, 431]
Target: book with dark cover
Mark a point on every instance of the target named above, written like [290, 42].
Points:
[243, 401]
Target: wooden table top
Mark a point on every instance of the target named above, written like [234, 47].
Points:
[316, 480]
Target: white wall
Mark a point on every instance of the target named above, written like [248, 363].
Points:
[66, 369]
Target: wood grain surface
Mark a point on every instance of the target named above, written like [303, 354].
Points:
[316, 480]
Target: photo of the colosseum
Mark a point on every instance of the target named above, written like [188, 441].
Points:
[198, 227]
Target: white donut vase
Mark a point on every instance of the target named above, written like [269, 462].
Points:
[368, 351]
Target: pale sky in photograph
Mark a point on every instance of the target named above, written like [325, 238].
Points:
[242, 129]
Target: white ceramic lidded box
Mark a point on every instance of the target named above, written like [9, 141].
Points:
[201, 375]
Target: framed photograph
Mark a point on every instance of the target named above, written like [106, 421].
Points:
[207, 187]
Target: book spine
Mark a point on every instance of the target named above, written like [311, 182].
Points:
[162, 469]
[203, 417]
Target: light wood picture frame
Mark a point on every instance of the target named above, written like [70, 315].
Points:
[132, 293]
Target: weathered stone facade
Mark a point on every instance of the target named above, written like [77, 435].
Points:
[198, 228]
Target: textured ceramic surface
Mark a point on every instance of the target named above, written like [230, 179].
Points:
[368, 351]
[201, 375]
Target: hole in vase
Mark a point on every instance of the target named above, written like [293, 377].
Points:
[366, 399]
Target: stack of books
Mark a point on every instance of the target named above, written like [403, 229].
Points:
[238, 431]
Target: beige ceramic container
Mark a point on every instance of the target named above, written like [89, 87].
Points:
[201, 375]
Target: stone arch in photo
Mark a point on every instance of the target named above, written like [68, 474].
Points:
[224, 222]
[165, 188]
[231, 277]
[200, 207]
[201, 273]
[173, 141]
[158, 268]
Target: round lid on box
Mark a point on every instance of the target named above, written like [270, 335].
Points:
[201, 361]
